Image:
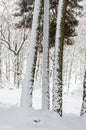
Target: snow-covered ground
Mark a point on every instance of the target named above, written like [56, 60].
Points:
[14, 118]
[11, 97]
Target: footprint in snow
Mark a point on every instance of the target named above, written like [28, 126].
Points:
[36, 121]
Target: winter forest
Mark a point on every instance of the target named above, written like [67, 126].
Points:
[42, 64]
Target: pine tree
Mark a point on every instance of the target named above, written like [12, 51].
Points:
[26, 12]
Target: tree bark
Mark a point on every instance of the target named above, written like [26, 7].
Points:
[83, 108]
[45, 72]
[58, 57]
[26, 99]
[0, 67]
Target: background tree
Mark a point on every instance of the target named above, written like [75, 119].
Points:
[13, 41]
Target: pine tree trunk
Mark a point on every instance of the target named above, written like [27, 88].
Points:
[58, 57]
[26, 99]
[45, 72]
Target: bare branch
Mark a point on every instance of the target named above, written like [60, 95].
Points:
[7, 43]
[24, 39]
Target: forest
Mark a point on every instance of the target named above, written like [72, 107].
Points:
[42, 64]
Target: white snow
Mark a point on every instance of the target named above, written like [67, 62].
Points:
[16, 119]
[11, 97]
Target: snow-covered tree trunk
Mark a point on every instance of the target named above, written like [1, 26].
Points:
[83, 108]
[0, 66]
[17, 71]
[58, 57]
[26, 99]
[21, 66]
[45, 70]
[8, 65]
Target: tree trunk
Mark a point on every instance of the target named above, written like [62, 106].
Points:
[17, 71]
[0, 67]
[83, 108]
[21, 67]
[58, 57]
[45, 72]
[8, 66]
[26, 99]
